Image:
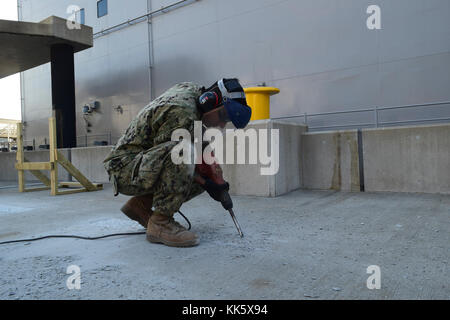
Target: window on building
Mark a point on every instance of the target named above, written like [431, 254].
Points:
[81, 16]
[102, 8]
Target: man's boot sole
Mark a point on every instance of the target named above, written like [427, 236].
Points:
[185, 244]
[129, 212]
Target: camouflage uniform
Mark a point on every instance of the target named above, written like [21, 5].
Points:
[141, 162]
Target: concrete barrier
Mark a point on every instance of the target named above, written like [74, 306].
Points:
[330, 160]
[244, 179]
[90, 162]
[248, 179]
[408, 159]
[401, 159]
[8, 171]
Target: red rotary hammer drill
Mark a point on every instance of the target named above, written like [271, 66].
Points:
[214, 173]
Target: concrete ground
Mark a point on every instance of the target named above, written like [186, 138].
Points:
[304, 245]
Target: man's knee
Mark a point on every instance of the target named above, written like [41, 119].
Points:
[175, 186]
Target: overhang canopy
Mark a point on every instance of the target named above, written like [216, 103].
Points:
[25, 45]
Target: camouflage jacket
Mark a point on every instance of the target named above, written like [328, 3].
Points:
[150, 132]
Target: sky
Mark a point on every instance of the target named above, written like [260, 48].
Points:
[9, 86]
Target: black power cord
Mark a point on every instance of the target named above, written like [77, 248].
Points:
[76, 237]
[88, 238]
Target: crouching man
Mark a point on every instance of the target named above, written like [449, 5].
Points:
[140, 165]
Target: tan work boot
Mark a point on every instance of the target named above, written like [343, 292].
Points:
[139, 209]
[165, 230]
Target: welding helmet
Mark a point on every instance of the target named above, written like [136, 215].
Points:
[230, 94]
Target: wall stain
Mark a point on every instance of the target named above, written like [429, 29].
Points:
[354, 163]
[336, 182]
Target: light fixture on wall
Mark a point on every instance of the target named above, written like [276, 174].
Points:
[118, 109]
[91, 107]
[88, 111]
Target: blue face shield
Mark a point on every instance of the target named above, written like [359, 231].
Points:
[237, 113]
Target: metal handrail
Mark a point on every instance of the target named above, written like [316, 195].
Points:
[415, 105]
[412, 121]
[343, 126]
[375, 110]
[108, 137]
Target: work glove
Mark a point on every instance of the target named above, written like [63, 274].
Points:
[215, 190]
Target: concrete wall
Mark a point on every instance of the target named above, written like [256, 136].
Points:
[408, 159]
[318, 52]
[8, 171]
[246, 179]
[90, 162]
[401, 159]
[330, 160]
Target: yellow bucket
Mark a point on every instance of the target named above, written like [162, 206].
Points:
[258, 98]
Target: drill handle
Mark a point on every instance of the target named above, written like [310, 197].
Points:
[226, 201]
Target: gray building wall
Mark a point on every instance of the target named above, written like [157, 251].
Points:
[318, 52]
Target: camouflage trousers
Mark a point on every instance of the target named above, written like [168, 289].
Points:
[170, 189]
